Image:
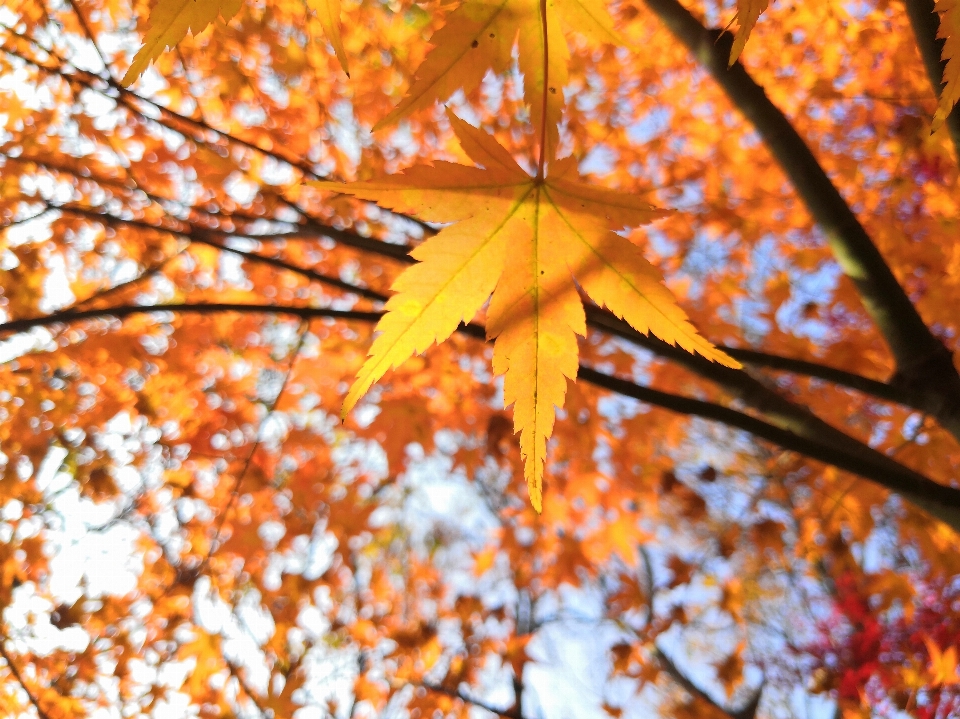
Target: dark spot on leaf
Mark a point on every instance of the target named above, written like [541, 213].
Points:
[475, 43]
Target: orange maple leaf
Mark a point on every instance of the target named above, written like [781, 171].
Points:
[748, 12]
[943, 664]
[170, 20]
[480, 35]
[529, 241]
[730, 671]
[949, 32]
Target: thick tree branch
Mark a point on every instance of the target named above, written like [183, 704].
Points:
[940, 501]
[925, 23]
[923, 363]
[851, 380]
[776, 409]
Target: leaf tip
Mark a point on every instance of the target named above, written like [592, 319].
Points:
[535, 487]
[385, 122]
[537, 503]
[136, 69]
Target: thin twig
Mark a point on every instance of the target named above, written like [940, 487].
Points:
[457, 694]
[16, 675]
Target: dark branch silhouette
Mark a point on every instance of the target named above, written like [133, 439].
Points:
[747, 711]
[940, 501]
[924, 365]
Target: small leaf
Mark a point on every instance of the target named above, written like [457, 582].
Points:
[748, 12]
[949, 31]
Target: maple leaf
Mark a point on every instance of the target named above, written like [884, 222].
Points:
[480, 35]
[943, 664]
[168, 24]
[170, 20]
[949, 32]
[328, 13]
[748, 12]
[730, 671]
[555, 230]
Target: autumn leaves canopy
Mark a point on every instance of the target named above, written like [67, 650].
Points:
[527, 242]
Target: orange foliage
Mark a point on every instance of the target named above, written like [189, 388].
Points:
[256, 454]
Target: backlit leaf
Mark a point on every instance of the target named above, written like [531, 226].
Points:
[949, 31]
[556, 231]
[748, 12]
[169, 23]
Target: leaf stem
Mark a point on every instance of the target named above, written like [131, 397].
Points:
[546, 89]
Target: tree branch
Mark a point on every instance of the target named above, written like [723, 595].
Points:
[456, 694]
[940, 501]
[925, 23]
[204, 236]
[748, 711]
[851, 380]
[122, 312]
[16, 675]
[90, 36]
[923, 363]
[794, 422]
[237, 673]
[776, 409]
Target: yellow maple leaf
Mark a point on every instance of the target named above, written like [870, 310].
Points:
[168, 24]
[480, 35]
[328, 13]
[170, 20]
[748, 12]
[949, 31]
[525, 240]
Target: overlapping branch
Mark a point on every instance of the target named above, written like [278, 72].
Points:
[924, 365]
[784, 422]
[940, 501]
[312, 229]
[747, 711]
